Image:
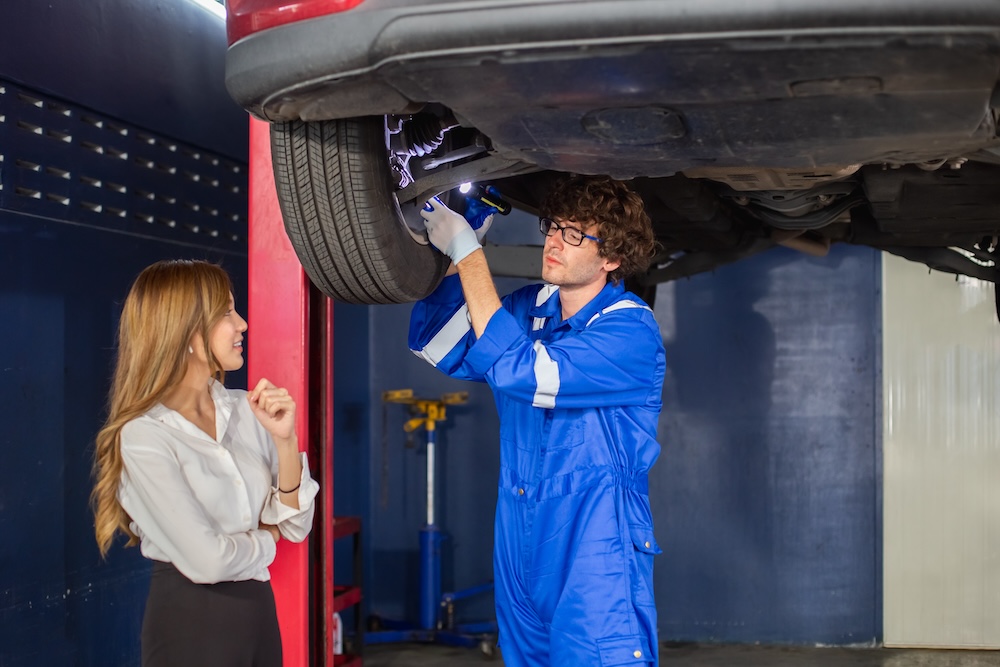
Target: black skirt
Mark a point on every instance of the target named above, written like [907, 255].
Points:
[229, 624]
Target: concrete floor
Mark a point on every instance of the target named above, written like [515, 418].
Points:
[697, 655]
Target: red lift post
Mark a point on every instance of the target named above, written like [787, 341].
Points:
[290, 342]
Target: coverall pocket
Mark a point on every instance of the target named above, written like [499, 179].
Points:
[642, 538]
[568, 431]
[641, 565]
[632, 650]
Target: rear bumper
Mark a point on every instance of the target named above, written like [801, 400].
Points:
[644, 88]
[370, 60]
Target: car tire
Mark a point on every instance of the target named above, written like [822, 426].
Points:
[336, 191]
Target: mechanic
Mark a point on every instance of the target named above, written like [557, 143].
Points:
[576, 366]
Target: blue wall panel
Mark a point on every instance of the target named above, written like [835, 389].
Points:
[766, 494]
[351, 435]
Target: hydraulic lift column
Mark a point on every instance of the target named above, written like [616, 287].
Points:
[290, 342]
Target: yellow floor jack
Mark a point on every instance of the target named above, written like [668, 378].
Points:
[437, 609]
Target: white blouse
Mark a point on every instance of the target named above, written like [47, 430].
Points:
[197, 502]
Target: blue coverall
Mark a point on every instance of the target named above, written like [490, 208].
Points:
[578, 402]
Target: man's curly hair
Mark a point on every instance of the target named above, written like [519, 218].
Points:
[619, 214]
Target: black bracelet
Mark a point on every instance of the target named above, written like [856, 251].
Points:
[296, 488]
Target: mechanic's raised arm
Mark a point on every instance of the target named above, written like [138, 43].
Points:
[445, 325]
[480, 292]
[461, 240]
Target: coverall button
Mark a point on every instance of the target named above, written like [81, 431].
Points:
[638, 654]
[647, 546]
[520, 492]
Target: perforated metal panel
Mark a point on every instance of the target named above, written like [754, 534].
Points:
[64, 162]
[86, 201]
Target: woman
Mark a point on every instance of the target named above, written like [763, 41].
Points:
[205, 479]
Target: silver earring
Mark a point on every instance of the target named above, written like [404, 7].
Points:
[190, 350]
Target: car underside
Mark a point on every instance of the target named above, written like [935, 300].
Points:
[743, 129]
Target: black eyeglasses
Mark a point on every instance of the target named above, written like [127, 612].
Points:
[570, 235]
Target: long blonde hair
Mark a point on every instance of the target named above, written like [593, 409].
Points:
[168, 304]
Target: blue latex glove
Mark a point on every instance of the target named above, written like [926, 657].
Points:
[448, 231]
